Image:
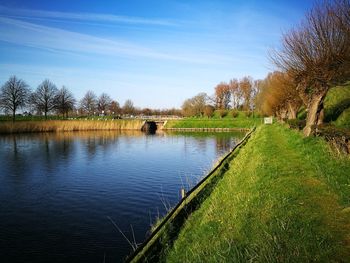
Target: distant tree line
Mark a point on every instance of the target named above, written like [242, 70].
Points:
[314, 56]
[235, 94]
[46, 99]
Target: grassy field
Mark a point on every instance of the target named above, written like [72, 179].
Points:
[285, 198]
[68, 125]
[239, 122]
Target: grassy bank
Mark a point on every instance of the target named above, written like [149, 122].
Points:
[68, 125]
[284, 199]
[239, 122]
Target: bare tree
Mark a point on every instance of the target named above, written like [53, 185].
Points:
[103, 103]
[208, 110]
[195, 106]
[236, 93]
[114, 107]
[246, 87]
[64, 101]
[14, 95]
[317, 56]
[44, 96]
[88, 103]
[222, 96]
[129, 107]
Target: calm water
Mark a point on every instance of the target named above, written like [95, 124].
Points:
[58, 190]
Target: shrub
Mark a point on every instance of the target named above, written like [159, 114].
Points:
[296, 124]
[339, 138]
[235, 114]
[344, 119]
[248, 113]
[302, 114]
[209, 111]
[222, 113]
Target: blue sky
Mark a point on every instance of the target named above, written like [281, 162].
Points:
[156, 53]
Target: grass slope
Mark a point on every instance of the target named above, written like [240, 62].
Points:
[284, 199]
[336, 102]
[239, 122]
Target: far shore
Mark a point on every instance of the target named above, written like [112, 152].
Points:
[200, 125]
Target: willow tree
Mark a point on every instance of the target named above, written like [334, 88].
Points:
[316, 55]
[278, 96]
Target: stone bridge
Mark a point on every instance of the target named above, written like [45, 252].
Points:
[152, 125]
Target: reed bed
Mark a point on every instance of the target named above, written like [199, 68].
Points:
[7, 127]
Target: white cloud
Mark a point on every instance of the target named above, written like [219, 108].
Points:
[31, 13]
[57, 40]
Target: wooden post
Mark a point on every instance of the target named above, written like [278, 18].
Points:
[183, 193]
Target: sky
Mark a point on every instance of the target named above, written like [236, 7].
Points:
[156, 53]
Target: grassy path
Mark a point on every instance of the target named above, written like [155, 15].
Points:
[284, 199]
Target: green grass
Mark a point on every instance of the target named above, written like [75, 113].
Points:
[285, 198]
[239, 122]
[343, 120]
[336, 102]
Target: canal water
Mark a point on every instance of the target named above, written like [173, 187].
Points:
[61, 194]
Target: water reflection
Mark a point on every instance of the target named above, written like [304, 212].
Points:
[57, 189]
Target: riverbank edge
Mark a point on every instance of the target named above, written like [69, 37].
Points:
[207, 129]
[152, 249]
[9, 127]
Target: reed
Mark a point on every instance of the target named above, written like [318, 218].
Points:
[7, 127]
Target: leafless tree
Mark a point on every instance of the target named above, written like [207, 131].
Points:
[64, 101]
[222, 96]
[103, 103]
[114, 107]
[316, 54]
[88, 103]
[14, 95]
[236, 93]
[43, 97]
[246, 87]
[208, 110]
[129, 107]
[195, 106]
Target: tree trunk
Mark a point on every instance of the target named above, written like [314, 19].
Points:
[13, 115]
[45, 115]
[320, 115]
[292, 111]
[314, 109]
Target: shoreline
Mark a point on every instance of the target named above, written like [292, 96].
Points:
[31, 126]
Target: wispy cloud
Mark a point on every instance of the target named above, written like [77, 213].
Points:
[108, 18]
[59, 40]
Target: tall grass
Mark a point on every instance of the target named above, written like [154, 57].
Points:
[68, 125]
